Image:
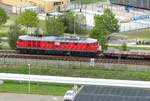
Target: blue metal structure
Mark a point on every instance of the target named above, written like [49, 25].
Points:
[142, 4]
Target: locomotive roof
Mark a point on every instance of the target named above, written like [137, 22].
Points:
[75, 39]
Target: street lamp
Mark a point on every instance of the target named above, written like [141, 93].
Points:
[29, 66]
[74, 24]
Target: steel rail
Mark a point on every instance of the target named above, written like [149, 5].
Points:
[12, 54]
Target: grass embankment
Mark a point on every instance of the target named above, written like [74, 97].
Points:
[130, 47]
[13, 17]
[36, 88]
[138, 34]
[5, 27]
[3, 30]
[60, 89]
[42, 24]
[79, 72]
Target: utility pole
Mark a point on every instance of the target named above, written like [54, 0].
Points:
[29, 86]
[74, 24]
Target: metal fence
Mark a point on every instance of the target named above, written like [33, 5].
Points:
[133, 3]
[71, 64]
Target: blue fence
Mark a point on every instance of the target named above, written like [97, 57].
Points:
[140, 17]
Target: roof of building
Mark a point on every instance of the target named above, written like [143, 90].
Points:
[106, 93]
[75, 39]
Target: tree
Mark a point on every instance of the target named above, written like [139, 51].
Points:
[54, 26]
[104, 26]
[28, 19]
[13, 35]
[124, 47]
[3, 16]
[72, 20]
[80, 24]
[68, 20]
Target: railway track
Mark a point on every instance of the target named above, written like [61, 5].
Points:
[13, 54]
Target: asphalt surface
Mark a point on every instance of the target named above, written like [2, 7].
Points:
[28, 97]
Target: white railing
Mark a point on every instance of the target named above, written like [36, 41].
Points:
[74, 80]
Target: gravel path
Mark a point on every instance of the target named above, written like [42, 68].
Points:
[28, 97]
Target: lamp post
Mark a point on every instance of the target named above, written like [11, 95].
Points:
[74, 24]
[29, 67]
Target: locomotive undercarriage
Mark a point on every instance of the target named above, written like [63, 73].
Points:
[56, 52]
[82, 54]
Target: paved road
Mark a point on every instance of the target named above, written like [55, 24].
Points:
[27, 97]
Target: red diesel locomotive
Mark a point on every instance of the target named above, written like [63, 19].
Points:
[58, 45]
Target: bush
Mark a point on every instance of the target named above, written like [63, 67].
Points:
[13, 35]
[124, 47]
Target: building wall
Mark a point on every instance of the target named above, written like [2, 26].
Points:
[13, 2]
[45, 5]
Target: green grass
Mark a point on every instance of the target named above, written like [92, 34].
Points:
[130, 48]
[36, 88]
[99, 72]
[139, 34]
[60, 89]
[42, 24]
[4, 30]
[13, 17]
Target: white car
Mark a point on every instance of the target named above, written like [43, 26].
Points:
[69, 96]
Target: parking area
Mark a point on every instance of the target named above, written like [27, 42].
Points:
[28, 97]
